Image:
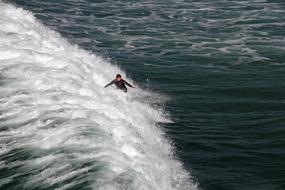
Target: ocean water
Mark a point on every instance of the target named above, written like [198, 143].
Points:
[208, 110]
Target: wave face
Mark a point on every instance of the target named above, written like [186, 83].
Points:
[60, 129]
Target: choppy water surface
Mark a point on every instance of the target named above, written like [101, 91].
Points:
[219, 63]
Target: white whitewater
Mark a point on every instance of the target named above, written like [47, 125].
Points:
[60, 129]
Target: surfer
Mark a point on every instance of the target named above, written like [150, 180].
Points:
[120, 83]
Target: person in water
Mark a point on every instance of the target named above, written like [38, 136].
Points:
[120, 83]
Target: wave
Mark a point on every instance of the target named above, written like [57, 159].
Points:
[61, 129]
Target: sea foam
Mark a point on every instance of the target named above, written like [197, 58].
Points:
[61, 129]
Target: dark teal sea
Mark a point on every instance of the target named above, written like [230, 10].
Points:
[220, 63]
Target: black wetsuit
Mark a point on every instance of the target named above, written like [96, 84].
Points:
[120, 84]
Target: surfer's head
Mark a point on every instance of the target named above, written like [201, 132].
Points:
[118, 77]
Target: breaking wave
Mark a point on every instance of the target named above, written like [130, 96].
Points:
[61, 129]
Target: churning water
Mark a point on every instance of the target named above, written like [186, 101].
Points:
[60, 129]
[208, 105]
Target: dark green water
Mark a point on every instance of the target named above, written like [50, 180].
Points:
[221, 63]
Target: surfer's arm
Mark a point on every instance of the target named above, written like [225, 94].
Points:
[128, 84]
[112, 82]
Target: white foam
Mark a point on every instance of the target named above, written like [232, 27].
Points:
[56, 108]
